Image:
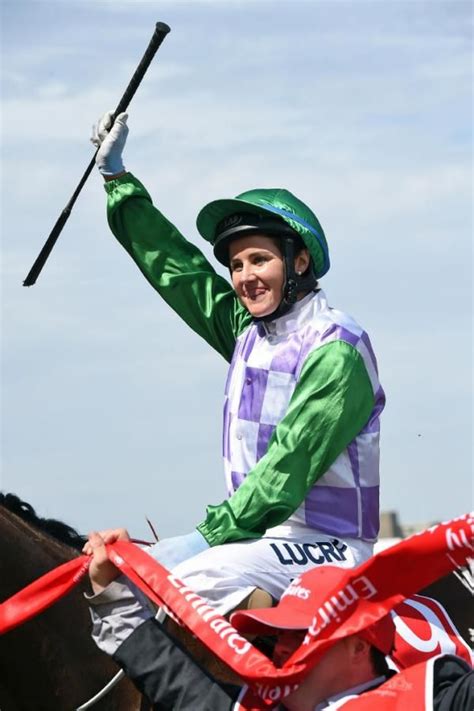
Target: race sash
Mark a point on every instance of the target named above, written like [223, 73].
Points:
[364, 595]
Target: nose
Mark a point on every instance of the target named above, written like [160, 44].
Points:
[248, 272]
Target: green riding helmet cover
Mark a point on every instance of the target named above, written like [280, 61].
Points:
[268, 203]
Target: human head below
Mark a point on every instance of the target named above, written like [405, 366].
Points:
[273, 245]
[355, 661]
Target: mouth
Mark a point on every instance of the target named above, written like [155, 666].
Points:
[255, 294]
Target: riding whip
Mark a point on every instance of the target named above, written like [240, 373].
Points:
[161, 30]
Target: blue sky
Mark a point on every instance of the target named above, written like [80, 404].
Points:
[111, 408]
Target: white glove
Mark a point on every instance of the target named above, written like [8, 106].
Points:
[110, 143]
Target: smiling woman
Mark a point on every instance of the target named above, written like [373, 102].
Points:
[375, 134]
[302, 400]
[258, 273]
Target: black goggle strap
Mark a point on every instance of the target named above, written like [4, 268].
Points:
[290, 289]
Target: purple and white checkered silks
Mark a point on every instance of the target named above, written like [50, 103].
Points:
[265, 368]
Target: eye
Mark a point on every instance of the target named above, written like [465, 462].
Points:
[235, 267]
[259, 259]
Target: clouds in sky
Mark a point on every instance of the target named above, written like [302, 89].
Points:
[111, 407]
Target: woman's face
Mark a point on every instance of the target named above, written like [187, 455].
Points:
[257, 270]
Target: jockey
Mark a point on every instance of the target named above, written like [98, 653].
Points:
[352, 667]
[302, 400]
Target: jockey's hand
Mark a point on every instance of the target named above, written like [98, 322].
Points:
[110, 140]
[172, 551]
[101, 571]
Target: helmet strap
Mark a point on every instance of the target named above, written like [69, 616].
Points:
[290, 286]
[294, 283]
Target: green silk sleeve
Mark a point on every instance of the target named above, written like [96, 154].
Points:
[330, 405]
[177, 269]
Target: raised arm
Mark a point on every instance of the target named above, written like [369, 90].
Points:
[174, 267]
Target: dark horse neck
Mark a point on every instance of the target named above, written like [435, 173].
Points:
[50, 663]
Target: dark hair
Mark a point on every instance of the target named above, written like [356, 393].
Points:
[299, 247]
[299, 244]
[379, 662]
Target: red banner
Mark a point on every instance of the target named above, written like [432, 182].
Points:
[42, 593]
[369, 592]
[375, 587]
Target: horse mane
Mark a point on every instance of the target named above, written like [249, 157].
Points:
[56, 529]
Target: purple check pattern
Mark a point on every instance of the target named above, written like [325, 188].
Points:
[264, 371]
